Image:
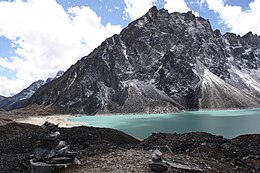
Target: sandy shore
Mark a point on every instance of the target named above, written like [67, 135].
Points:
[62, 120]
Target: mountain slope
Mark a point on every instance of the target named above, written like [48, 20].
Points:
[20, 99]
[2, 98]
[26, 93]
[215, 93]
[160, 63]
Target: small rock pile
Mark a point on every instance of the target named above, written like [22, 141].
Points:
[51, 154]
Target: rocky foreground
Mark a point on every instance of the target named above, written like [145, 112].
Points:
[108, 150]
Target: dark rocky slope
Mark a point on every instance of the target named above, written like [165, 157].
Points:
[17, 142]
[159, 63]
[2, 98]
[108, 150]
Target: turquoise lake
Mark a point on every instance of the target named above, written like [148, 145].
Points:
[227, 123]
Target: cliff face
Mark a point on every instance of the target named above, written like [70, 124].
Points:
[160, 62]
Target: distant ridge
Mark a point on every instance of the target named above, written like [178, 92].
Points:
[19, 100]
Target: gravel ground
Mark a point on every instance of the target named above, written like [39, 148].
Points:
[108, 150]
[137, 160]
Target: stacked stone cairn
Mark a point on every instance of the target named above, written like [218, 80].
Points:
[51, 154]
[157, 164]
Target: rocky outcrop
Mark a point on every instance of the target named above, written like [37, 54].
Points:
[17, 143]
[161, 62]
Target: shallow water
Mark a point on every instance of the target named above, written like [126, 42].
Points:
[227, 123]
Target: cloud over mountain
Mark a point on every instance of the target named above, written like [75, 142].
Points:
[236, 18]
[47, 38]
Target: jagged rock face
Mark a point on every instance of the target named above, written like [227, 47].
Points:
[160, 63]
[20, 99]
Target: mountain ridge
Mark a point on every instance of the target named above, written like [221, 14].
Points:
[19, 100]
[161, 62]
[2, 98]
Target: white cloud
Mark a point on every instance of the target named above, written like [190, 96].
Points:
[215, 5]
[238, 20]
[178, 6]
[136, 8]
[47, 38]
[6, 85]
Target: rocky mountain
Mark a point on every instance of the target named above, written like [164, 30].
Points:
[18, 100]
[161, 62]
[59, 74]
[2, 98]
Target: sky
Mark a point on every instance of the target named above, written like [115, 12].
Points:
[40, 37]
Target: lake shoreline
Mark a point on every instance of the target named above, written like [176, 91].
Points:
[69, 121]
[142, 113]
[227, 123]
[6, 117]
[61, 120]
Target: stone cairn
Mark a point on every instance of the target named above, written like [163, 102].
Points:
[157, 164]
[51, 154]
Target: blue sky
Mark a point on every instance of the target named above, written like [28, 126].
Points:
[40, 37]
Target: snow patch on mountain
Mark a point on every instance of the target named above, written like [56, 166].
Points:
[215, 93]
[71, 80]
[243, 80]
